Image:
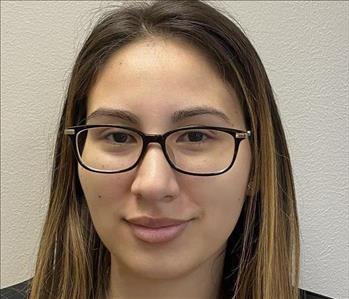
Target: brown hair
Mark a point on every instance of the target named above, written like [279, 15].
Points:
[262, 254]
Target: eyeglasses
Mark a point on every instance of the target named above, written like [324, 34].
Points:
[194, 150]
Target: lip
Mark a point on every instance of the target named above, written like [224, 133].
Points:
[155, 222]
[158, 230]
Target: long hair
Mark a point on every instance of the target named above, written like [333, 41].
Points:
[262, 253]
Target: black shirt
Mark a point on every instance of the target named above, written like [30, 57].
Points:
[20, 291]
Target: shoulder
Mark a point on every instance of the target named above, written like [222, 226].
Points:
[17, 291]
[310, 295]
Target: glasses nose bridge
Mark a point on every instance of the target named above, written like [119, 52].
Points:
[153, 138]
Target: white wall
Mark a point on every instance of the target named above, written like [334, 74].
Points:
[304, 47]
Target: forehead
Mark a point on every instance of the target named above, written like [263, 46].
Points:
[155, 77]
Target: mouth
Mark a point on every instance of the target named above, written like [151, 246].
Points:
[151, 230]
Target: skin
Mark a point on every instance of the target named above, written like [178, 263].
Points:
[153, 78]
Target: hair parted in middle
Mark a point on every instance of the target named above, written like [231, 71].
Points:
[262, 254]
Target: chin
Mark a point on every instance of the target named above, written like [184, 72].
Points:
[159, 269]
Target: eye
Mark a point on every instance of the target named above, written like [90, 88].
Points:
[194, 136]
[119, 137]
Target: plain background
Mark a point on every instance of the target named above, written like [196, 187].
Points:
[304, 47]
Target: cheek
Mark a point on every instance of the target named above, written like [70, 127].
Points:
[222, 198]
[104, 195]
[222, 210]
[101, 188]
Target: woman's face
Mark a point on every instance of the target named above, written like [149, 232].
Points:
[153, 79]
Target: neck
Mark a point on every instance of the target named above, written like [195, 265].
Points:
[203, 282]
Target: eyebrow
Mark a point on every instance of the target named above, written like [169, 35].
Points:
[176, 116]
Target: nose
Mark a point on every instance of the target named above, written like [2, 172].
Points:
[155, 180]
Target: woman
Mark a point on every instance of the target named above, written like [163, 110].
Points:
[171, 176]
